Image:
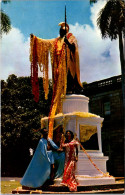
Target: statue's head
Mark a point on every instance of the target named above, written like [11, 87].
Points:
[63, 31]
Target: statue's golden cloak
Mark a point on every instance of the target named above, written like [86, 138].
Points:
[62, 60]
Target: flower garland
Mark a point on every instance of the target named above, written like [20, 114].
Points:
[36, 192]
[60, 66]
[34, 70]
[67, 117]
[60, 82]
[103, 174]
[39, 50]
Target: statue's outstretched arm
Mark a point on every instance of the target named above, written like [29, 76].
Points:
[39, 55]
[45, 41]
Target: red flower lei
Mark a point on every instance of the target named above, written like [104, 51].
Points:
[34, 73]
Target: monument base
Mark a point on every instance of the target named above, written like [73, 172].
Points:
[85, 167]
[86, 180]
[117, 187]
[76, 117]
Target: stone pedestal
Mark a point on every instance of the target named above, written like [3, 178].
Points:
[75, 103]
[76, 117]
[85, 167]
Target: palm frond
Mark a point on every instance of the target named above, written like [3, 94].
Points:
[111, 18]
[5, 23]
[93, 1]
[5, 1]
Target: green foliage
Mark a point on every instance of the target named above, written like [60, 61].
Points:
[84, 83]
[20, 117]
[111, 19]
[8, 186]
[93, 1]
[111, 22]
[5, 23]
[5, 20]
[5, 1]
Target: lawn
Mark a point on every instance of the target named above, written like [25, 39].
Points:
[8, 186]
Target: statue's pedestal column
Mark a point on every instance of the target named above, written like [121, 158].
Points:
[75, 103]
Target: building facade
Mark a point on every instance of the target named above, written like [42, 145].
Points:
[106, 101]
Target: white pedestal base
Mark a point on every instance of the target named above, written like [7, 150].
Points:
[85, 167]
[86, 180]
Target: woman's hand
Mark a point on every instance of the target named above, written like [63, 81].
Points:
[60, 150]
[76, 159]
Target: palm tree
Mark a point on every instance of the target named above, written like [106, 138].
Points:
[111, 21]
[5, 21]
[93, 1]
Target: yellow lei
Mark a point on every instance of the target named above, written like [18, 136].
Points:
[58, 51]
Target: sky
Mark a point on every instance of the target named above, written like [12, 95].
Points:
[99, 58]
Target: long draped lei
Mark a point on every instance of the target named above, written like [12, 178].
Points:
[39, 56]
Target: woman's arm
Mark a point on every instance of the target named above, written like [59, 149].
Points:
[76, 153]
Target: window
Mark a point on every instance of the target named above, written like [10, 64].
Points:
[107, 110]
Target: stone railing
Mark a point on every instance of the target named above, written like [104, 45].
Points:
[103, 85]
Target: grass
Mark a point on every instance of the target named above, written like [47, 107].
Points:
[8, 186]
[120, 181]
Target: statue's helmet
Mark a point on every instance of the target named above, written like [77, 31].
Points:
[62, 24]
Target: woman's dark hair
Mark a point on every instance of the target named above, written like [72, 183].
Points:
[60, 128]
[42, 130]
[72, 135]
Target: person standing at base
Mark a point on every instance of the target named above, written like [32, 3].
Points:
[71, 157]
[41, 167]
[59, 155]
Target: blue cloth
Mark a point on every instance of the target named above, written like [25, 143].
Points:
[53, 144]
[59, 160]
[39, 168]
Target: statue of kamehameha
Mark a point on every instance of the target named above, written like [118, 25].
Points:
[65, 68]
[66, 79]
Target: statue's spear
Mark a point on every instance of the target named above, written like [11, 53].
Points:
[65, 17]
[65, 36]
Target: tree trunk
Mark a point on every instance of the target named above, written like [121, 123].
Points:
[122, 59]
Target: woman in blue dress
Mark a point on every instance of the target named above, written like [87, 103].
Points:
[41, 167]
